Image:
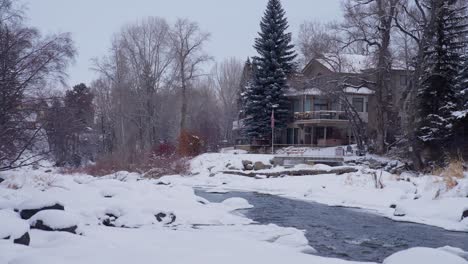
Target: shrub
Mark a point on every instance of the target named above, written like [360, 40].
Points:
[189, 145]
[160, 161]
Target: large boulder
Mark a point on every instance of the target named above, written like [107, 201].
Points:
[260, 166]
[33, 206]
[55, 220]
[13, 228]
[1, 179]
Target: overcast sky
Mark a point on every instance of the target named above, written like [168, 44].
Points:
[233, 23]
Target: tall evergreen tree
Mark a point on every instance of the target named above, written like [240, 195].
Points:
[272, 66]
[437, 96]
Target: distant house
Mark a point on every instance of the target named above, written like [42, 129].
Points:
[319, 118]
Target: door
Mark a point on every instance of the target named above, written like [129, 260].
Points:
[308, 135]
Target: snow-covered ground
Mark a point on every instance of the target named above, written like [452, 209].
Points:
[122, 218]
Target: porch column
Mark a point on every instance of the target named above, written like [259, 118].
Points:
[325, 135]
[312, 135]
[349, 136]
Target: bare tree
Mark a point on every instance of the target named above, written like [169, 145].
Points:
[146, 46]
[227, 77]
[188, 41]
[28, 62]
[370, 22]
[315, 39]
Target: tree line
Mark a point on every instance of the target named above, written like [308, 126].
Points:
[156, 87]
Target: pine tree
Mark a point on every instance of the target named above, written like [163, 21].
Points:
[272, 66]
[437, 96]
[463, 91]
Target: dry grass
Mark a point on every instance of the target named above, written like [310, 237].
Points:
[451, 173]
[455, 168]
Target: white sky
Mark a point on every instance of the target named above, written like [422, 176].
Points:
[233, 23]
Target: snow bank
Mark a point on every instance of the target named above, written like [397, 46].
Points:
[456, 251]
[11, 226]
[424, 255]
[38, 201]
[202, 232]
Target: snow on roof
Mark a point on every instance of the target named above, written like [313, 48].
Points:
[346, 63]
[362, 90]
[318, 92]
[354, 63]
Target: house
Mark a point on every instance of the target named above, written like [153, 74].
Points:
[325, 94]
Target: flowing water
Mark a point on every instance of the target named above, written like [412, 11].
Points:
[344, 233]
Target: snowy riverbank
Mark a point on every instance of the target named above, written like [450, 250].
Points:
[425, 199]
[122, 218]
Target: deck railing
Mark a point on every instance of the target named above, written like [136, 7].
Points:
[320, 115]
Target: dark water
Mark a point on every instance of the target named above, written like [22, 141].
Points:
[344, 233]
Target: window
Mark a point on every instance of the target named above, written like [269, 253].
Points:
[358, 104]
[320, 105]
[292, 136]
[403, 80]
[297, 106]
[308, 105]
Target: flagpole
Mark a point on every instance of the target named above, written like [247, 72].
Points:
[273, 131]
[273, 128]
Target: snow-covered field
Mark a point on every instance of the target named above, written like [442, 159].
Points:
[122, 218]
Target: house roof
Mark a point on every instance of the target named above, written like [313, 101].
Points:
[351, 63]
[345, 63]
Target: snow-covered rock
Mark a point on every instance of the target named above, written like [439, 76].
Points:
[399, 211]
[237, 203]
[13, 228]
[166, 218]
[34, 205]
[424, 256]
[55, 220]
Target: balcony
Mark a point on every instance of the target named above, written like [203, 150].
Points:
[320, 117]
